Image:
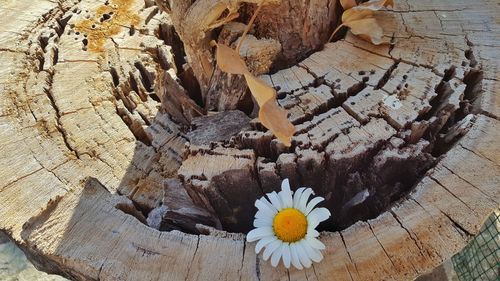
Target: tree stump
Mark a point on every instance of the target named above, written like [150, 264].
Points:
[112, 168]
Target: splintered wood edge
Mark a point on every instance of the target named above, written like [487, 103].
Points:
[71, 226]
[82, 234]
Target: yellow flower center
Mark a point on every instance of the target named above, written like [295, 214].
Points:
[290, 225]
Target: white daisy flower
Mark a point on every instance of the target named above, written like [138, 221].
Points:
[285, 227]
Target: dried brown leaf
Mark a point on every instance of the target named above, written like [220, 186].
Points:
[368, 29]
[376, 5]
[356, 14]
[260, 90]
[271, 115]
[361, 20]
[347, 4]
[229, 60]
[275, 119]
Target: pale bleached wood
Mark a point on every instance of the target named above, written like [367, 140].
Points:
[304, 103]
[488, 100]
[413, 97]
[323, 128]
[122, 239]
[59, 126]
[56, 123]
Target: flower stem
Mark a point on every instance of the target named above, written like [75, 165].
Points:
[249, 25]
[335, 32]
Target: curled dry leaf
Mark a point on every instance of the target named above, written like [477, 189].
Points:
[367, 29]
[347, 4]
[229, 61]
[355, 14]
[271, 115]
[275, 119]
[260, 90]
[376, 5]
[361, 19]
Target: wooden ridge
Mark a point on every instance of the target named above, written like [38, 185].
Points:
[86, 145]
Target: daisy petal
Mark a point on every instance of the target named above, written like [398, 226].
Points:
[269, 204]
[312, 233]
[296, 197]
[271, 248]
[287, 258]
[316, 216]
[295, 256]
[301, 253]
[265, 221]
[275, 259]
[312, 253]
[321, 214]
[315, 243]
[313, 204]
[275, 200]
[286, 194]
[285, 184]
[268, 210]
[303, 256]
[261, 215]
[303, 200]
[265, 201]
[259, 233]
[264, 242]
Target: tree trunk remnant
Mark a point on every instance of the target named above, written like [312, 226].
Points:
[112, 169]
[195, 21]
[300, 28]
[228, 91]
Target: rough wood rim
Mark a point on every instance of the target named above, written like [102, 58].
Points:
[71, 226]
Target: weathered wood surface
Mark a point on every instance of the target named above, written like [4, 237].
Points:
[67, 114]
[297, 27]
[195, 22]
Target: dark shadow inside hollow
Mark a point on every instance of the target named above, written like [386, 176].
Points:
[357, 186]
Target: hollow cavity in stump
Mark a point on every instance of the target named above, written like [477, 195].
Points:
[368, 128]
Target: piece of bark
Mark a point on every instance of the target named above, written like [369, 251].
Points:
[311, 167]
[224, 84]
[323, 128]
[291, 79]
[222, 180]
[300, 27]
[175, 100]
[259, 141]
[219, 127]
[417, 130]
[268, 175]
[287, 166]
[302, 104]
[178, 212]
[459, 129]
